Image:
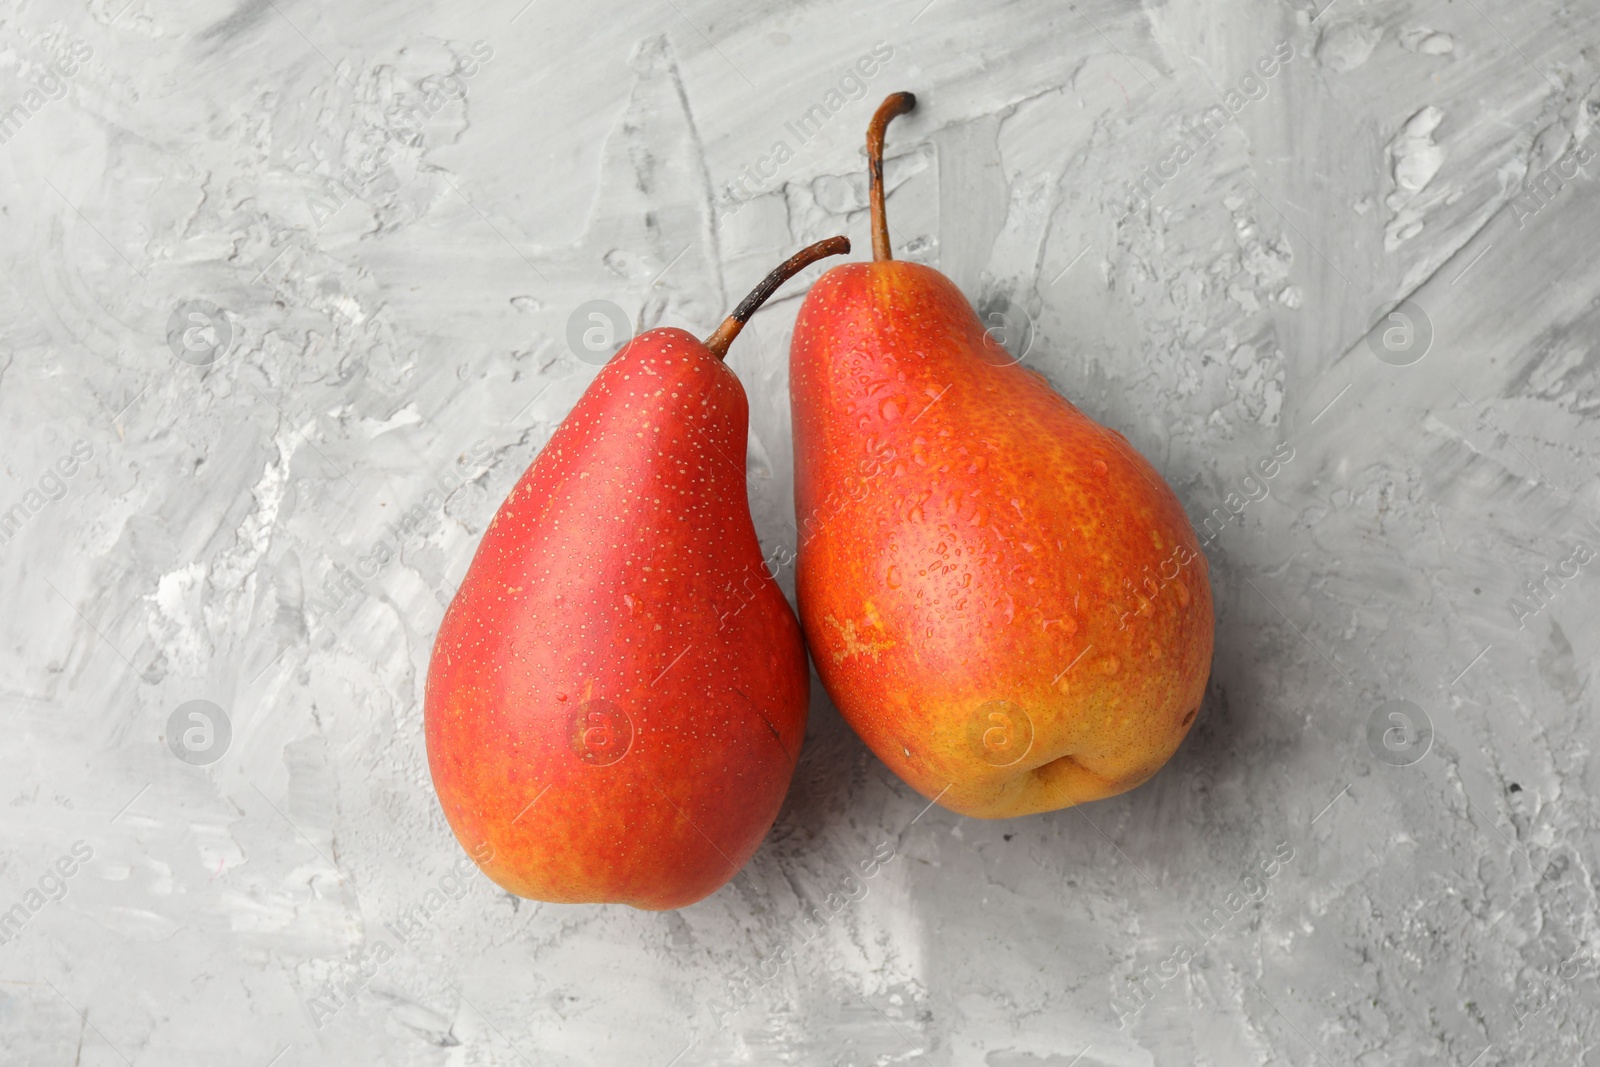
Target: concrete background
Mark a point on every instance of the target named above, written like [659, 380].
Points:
[277, 290]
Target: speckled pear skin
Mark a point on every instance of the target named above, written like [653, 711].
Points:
[617, 656]
[1003, 598]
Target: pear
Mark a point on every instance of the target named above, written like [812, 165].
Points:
[1003, 598]
[618, 691]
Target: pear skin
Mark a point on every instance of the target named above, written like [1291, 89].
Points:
[618, 691]
[1003, 598]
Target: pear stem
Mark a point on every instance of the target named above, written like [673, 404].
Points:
[719, 341]
[894, 104]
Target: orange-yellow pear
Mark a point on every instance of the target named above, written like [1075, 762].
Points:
[1004, 599]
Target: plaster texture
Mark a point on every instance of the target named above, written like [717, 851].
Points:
[291, 299]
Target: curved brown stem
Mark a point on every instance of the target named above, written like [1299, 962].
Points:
[894, 104]
[719, 341]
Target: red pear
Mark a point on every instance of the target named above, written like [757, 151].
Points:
[618, 691]
[1003, 598]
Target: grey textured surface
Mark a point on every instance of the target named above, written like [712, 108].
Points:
[391, 261]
